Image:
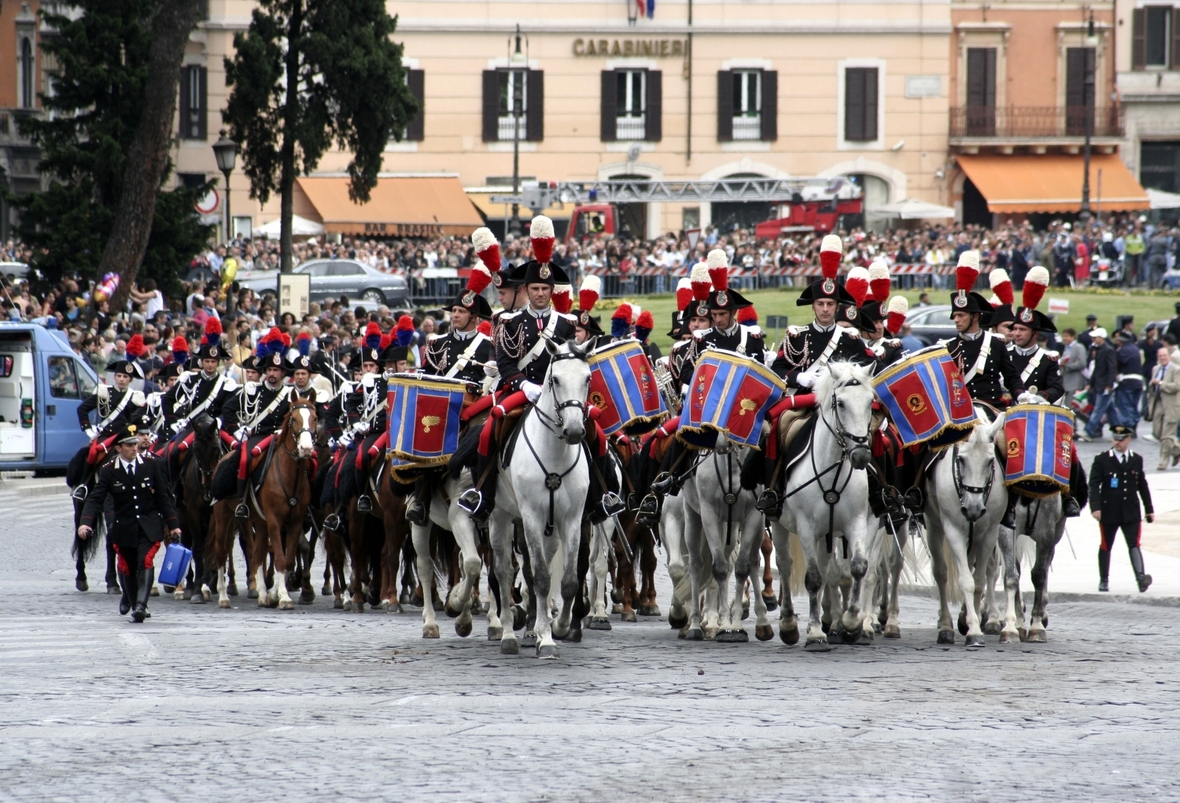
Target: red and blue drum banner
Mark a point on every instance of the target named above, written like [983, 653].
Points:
[424, 418]
[623, 387]
[729, 394]
[1039, 449]
[927, 399]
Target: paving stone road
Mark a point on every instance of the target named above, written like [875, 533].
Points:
[316, 703]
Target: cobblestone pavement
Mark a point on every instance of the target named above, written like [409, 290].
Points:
[318, 703]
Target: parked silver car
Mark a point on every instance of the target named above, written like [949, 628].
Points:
[931, 324]
[332, 278]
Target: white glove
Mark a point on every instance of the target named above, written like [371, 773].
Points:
[532, 391]
[360, 427]
[490, 370]
[242, 433]
[1030, 398]
[91, 433]
[807, 378]
[345, 440]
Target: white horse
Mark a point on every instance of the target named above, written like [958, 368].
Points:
[1042, 521]
[443, 509]
[718, 510]
[965, 500]
[544, 487]
[600, 544]
[827, 494]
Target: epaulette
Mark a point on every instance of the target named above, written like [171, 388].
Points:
[430, 338]
[795, 331]
[103, 391]
[507, 316]
[568, 318]
[137, 398]
[1052, 355]
[700, 333]
[755, 331]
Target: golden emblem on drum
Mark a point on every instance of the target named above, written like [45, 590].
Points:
[1013, 447]
[747, 406]
[916, 404]
[598, 399]
[429, 421]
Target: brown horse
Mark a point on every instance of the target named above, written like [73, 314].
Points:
[640, 547]
[375, 541]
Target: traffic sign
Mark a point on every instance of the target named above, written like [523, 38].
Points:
[507, 199]
[210, 203]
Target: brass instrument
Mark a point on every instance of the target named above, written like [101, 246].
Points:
[667, 385]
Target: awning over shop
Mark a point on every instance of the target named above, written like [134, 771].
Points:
[300, 227]
[413, 206]
[913, 209]
[1053, 183]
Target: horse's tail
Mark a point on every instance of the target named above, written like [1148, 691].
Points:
[798, 565]
[87, 548]
[76, 468]
[915, 564]
[954, 593]
[1026, 551]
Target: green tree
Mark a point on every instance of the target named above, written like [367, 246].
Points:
[102, 134]
[305, 75]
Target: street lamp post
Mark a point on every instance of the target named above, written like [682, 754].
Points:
[1091, 42]
[225, 151]
[518, 63]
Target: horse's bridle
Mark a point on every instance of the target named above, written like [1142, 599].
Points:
[960, 488]
[554, 424]
[842, 435]
[309, 428]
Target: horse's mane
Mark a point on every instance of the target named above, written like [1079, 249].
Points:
[839, 374]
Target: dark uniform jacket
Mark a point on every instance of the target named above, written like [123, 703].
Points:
[887, 351]
[444, 355]
[519, 333]
[804, 345]
[1044, 378]
[106, 400]
[335, 416]
[191, 391]
[997, 376]
[743, 339]
[143, 501]
[1114, 485]
[368, 402]
[255, 407]
[676, 357]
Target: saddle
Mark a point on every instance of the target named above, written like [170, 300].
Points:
[794, 434]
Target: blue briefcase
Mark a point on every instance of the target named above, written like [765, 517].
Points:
[176, 559]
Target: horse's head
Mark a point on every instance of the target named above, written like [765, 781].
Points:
[974, 468]
[844, 395]
[567, 384]
[300, 425]
[206, 444]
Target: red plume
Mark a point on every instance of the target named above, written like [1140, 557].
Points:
[857, 284]
[831, 254]
[589, 294]
[541, 235]
[479, 279]
[179, 345]
[747, 315]
[135, 347]
[683, 294]
[701, 283]
[386, 341]
[286, 338]
[1036, 281]
[879, 282]
[898, 309]
[1001, 285]
[623, 313]
[487, 248]
[485, 328]
[212, 327]
[562, 298]
[405, 324]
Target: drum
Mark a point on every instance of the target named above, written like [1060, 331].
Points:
[623, 387]
[424, 418]
[927, 399]
[729, 394]
[1039, 453]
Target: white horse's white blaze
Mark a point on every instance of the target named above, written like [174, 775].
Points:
[305, 443]
[962, 524]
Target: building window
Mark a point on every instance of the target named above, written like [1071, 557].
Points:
[981, 91]
[1154, 40]
[860, 104]
[28, 90]
[193, 102]
[1078, 62]
[506, 91]
[631, 101]
[191, 181]
[1159, 165]
[747, 105]
[416, 82]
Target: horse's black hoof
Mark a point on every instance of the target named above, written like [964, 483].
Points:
[599, 623]
[113, 589]
[694, 634]
[649, 610]
[528, 640]
[975, 642]
[850, 636]
[416, 600]
[519, 617]
[338, 604]
[251, 593]
[790, 636]
[745, 612]
[728, 636]
[993, 627]
[963, 623]
[169, 589]
[306, 597]
[232, 589]
[438, 605]
[510, 647]
[946, 637]
[817, 645]
[404, 598]
[326, 590]
[81, 585]
[197, 599]
[770, 602]
[677, 622]
[188, 592]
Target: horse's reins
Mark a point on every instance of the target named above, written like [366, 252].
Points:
[960, 489]
[293, 454]
[730, 498]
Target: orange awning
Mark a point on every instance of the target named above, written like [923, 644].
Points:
[417, 206]
[1053, 183]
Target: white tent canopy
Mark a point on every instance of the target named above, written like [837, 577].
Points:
[300, 227]
[913, 209]
[1163, 200]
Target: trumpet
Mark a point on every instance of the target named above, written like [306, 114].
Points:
[667, 385]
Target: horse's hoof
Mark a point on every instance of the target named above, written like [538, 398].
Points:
[993, 627]
[206, 593]
[430, 630]
[197, 599]
[892, 631]
[463, 628]
[416, 601]
[451, 613]
[1023, 633]
[946, 637]
[770, 602]
[616, 608]
[358, 606]
[826, 627]
[529, 640]
[223, 603]
[728, 636]
[789, 634]
[306, 597]
[975, 642]
[629, 616]
[1007, 637]
[81, 585]
[547, 651]
[510, 647]
[112, 589]
[683, 630]
[677, 622]
[232, 589]
[694, 634]
[155, 592]
[1044, 621]
[338, 604]
[404, 598]
[599, 623]
[495, 633]
[251, 593]
[962, 622]
[574, 636]
[396, 608]
[169, 589]
[817, 645]
[438, 605]
[1037, 637]
[878, 628]
[745, 613]
[326, 590]
[187, 593]
[649, 610]
[851, 636]
[286, 605]
[616, 597]
[764, 632]
[711, 633]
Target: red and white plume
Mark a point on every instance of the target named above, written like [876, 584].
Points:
[683, 293]
[967, 271]
[718, 264]
[831, 254]
[1001, 285]
[1035, 285]
[541, 234]
[479, 279]
[563, 298]
[700, 281]
[487, 248]
[636, 311]
[898, 308]
[589, 293]
[879, 281]
[857, 284]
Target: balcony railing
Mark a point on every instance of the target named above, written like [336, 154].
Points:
[1033, 122]
[630, 127]
[504, 130]
[747, 127]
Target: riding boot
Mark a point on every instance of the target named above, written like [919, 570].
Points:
[1070, 506]
[1141, 577]
[1009, 519]
[649, 511]
[1103, 570]
[145, 580]
[241, 511]
[128, 583]
[770, 501]
[610, 503]
[479, 502]
[416, 502]
[665, 482]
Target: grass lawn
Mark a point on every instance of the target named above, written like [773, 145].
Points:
[1106, 304]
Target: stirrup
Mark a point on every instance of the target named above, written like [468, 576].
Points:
[649, 511]
[612, 504]
[415, 513]
[769, 503]
[364, 504]
[241, 511]
[331, 522]
[80, 493]
[470, 500]
[662, 483]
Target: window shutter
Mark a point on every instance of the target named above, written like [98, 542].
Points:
[870, 125]
[610, 106]
[416, 83]
[1139, 39]
[1175, 38]
[202, 131]
[653, 124]
[491, 106]
[186, 102]
[536, 106]
[724, 105]
[854, 105]
[769, 105]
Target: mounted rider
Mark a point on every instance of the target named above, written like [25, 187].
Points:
[588, 327]
[206, 389]
[882, 318]
[115, 408]
[367, 416]
[253, 415]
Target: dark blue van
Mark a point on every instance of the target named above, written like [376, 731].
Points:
[42, 384]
